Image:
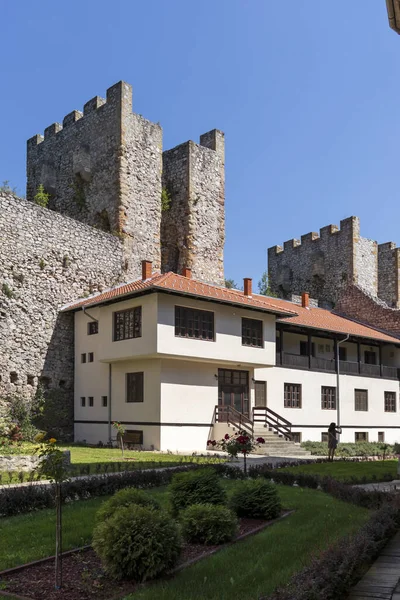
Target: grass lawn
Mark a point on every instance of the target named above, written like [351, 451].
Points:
[87, 460]
[344, 471]
[266, 560]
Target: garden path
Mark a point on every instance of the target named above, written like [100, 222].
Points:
[382, 580]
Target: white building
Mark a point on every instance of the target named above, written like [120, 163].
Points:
[171, 358]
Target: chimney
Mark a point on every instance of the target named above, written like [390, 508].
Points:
[146, 269]
[247, 286]
[186, 272]
[305, 300]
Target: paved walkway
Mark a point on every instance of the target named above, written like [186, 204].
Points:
[382, 581]
[383, 486]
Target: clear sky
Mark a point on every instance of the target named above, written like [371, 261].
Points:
[307, 92]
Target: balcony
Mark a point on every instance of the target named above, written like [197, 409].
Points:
[297, 361]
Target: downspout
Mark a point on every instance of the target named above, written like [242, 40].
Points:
[86, 313]
[109, 401]
[338, 381]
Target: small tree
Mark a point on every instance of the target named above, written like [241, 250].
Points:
[41, 197]
[238, 443]
[53, 466]
[120, 433]
[264, 287]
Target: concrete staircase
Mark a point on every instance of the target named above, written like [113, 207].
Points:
[276, 444]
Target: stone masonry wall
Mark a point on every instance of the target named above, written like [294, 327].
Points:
[46, 261]
[357, 304]
[193, 229]
[103, 167]
[388, 274]
[324, 264]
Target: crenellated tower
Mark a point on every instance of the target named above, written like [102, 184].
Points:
[193, 227]
[103, 167]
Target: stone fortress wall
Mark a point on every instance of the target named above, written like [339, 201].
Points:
[104, 169]
[325, 265]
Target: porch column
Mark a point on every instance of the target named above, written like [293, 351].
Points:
[359, 356]
[281, 348]
[380, 360]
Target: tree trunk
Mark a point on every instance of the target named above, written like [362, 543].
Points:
[58, 561]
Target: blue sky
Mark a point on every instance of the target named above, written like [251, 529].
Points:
[306, 91]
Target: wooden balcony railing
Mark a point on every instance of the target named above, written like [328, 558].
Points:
[228, 414]
[266, 416]
[346, 367]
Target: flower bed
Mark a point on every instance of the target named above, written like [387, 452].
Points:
[84, 577]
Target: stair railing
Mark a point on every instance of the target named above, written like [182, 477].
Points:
[228, 414]
[267, 417]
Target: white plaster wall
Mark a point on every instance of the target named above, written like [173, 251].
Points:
[227, 346]
[348, 434]
[311, 412]
[189, 394]
[102, 343]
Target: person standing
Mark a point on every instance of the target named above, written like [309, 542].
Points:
[332, 440]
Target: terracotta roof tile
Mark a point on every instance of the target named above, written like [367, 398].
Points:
[287, 312]
[178, 283]
[320, 318]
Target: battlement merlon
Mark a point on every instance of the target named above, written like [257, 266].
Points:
[212, 140]
[119, 95]
[351, 224]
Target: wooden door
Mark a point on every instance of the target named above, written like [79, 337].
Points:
[260, 390]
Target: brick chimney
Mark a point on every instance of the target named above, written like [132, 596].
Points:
[247, 286]
[186, 272]
[305, 300]
[146, 269]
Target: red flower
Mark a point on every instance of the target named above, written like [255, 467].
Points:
[209, 442]
[227, 436]
[260, 440]
[214, 443]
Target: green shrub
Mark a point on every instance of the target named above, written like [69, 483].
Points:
[351, 449]
[208, 524]
[255, 499]
[137, 543]
[122, 499]
[196, 487]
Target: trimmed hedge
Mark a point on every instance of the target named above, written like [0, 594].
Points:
[124, 498]
[196, 487]
[137, 543]
[332, 574]
[351, 449]
[24, 499]
[208, 524]
[341, 491]
[255, 499]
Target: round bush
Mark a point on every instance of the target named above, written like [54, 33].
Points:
[196, 487]
[122, 499]
[208, 524]
[256, 499]
[137, 543]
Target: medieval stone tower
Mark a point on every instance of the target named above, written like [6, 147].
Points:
[325, 265]
[105, 167]
[105, 171]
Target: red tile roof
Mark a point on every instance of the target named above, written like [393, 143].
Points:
[320, 318]
[287, 312]
[171, 282]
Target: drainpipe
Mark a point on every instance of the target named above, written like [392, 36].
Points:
[338, 381]
[109, 401]
[86, 313]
